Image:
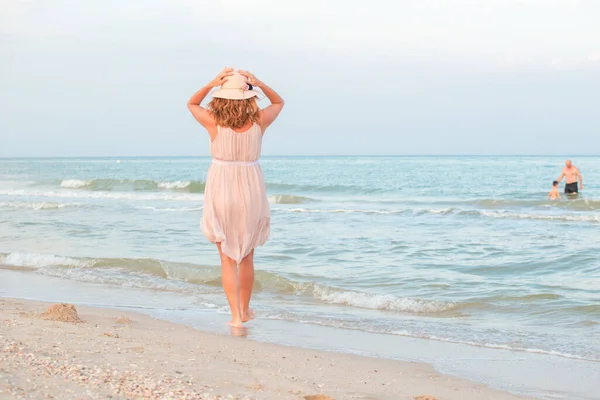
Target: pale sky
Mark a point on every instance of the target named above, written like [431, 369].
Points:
[112, 78]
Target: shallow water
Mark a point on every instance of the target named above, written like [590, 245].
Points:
[457, 249]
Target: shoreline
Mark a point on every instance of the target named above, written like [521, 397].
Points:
[539, 376]
[144, 351]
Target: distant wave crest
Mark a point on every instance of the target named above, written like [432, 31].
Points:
[289, 199]
[192, 186]
[504, 214]
[576, 205]
[37, 205]
[133, 185]
[453, 211]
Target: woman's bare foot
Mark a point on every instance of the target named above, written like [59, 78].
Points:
[248, 316]
[238, 332]
[236, 323]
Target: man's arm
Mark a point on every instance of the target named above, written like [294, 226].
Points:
[562, 175]
[580, 179]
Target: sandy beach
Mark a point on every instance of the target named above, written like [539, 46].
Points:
[115, 354]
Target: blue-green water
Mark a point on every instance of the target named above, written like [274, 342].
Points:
[460, 249]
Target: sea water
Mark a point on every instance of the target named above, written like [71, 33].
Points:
[456, 249]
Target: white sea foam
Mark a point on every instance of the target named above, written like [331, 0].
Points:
[511, 215]
[173, 209]
[104, 195]
[455, 211]
[174, 185]
[36, 205]
[126, 185]
[340, 324]
[381, 302]
[440, 211]
[74, 183]
[288, 199]
[344, 211]
[34, 260]
[495, 346]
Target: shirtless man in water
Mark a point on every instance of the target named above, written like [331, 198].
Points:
[572, 174]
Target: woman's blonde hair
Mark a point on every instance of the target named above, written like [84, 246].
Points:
[234, 113]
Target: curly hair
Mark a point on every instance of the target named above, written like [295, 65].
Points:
[234, 113]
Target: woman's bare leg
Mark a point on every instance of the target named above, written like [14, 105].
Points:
[246, 271]
[230, 281]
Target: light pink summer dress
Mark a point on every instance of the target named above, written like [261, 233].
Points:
[236, 208]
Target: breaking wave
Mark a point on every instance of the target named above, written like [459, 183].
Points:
[184, 277]
[38, 205]
[133, 185]
[289, 199]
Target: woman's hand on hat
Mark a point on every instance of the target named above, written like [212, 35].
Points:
[252, 80]
[222, 77]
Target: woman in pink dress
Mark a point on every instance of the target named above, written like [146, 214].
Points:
[236, 214]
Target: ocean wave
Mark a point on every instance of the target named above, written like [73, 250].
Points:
[589, 309]
[200, 280]
[453, 211]
[190, 186]
[570, 218]
[576, 204]
[184, 277]
[417, 333]
[37, 205]
[133, 185]
[178, 185]
[35, 261]
[526, 297]
[308, 188]
[499, 346]
[84, 194]
[74, 183]
[345, 211]
[288, 199]
[503, 214]
[382, 302]
[172, 209]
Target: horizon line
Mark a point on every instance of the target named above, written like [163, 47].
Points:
[308, 155]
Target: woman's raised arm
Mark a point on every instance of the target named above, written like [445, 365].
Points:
[270, 113]
[200, 113]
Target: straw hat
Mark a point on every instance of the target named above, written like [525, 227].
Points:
[236, 87]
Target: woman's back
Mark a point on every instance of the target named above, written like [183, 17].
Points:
[230, 145]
